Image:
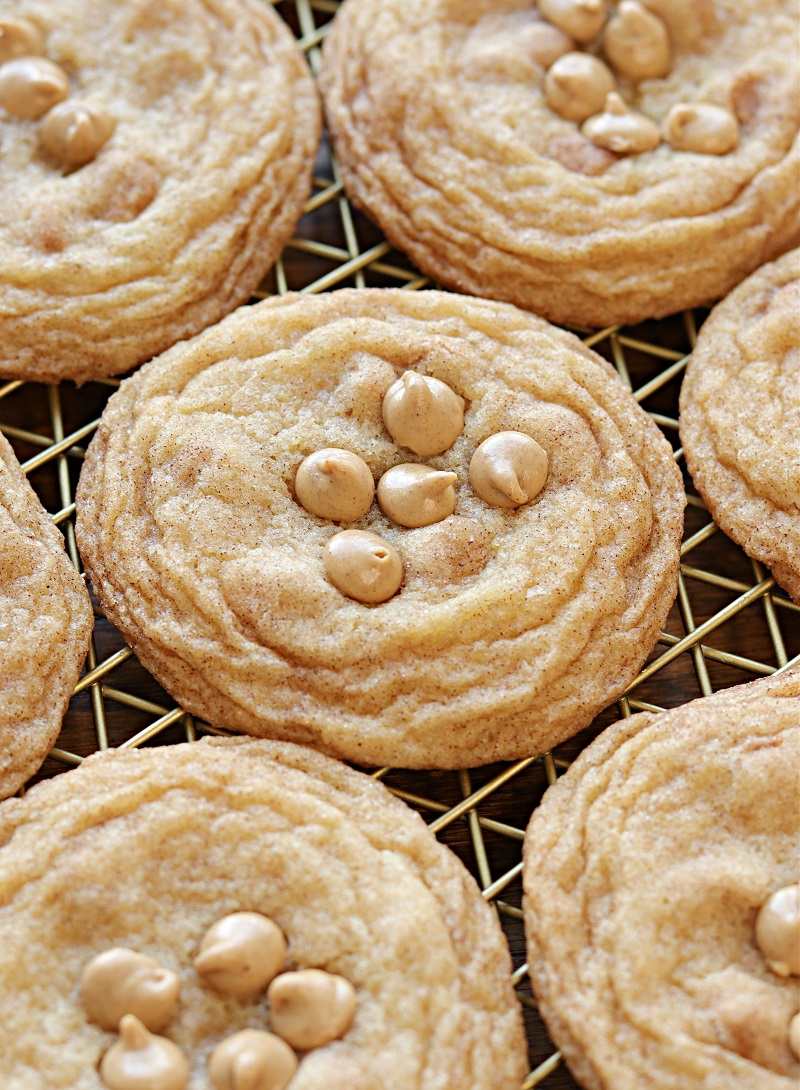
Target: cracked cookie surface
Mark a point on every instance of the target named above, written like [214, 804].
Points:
[438, 113]
[182, 210]
[645, 867]
[45, 624]
[512, 628]
[146, 849]
[740, 417]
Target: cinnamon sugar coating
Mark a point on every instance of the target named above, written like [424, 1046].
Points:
[438, 113]
[183, 209]
[149, 848]
[512, 628]
[740, 417]
[645, 868]
[45, 624]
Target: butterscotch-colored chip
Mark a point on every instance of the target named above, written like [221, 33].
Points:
[582, 19]
[115, 244]
[29, 86]
[636, 43]
[147, 849]
[645, 869]
[778, 931]
[140, 1060]
[412, 494]
[199, 552]
[740, 417]
[45, 624]
[577, 85]
[74, 131]
[119, 981]
[252, 1060]
[440, 115]
[19, 38]
[311, 1008]
[241, 953]
[702, 128]
[621, 130]
[363, 566]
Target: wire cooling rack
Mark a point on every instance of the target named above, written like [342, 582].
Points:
[730, 623]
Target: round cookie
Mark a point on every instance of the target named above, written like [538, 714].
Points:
[440, 116]
[214, 124]
[45, 624]
[644, 871]
[512, 627]
[148, 849]
[740, 417]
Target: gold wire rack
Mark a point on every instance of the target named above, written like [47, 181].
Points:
[730, 622]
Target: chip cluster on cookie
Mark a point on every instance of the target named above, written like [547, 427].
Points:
[635, 43]
[423, 413]
[240, 955]
[33, 87]
[596, 162]
[253, 913]
[516, 621]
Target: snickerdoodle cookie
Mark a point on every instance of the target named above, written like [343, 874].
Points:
[505, 585]
[740, 417]
[594, 162]
[45, 625]
[156, 155]
[661, 902]
[149, 853]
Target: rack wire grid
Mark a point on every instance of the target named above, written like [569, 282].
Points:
[730, 622]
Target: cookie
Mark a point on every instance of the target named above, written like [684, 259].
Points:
[507, 629]
[645, 871]
[156, 157]
[740, 417]
[147, 850]
[45, 625]
[494, 147]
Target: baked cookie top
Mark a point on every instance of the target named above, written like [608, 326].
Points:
[740, 417]
[147, 849]
[441, 113]
[645, 870]
[513, 626]
[45, 624]
[194, 125]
